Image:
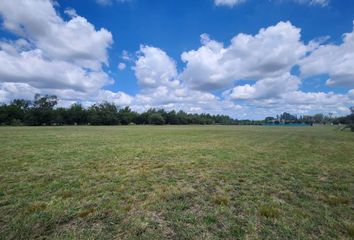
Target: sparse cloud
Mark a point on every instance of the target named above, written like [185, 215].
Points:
[110, 2]
[232, 3]
[321, 3]
[228, 3]
[122, 66]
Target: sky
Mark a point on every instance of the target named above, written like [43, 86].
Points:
[244, 58]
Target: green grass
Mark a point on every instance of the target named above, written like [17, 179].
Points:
[176, 182]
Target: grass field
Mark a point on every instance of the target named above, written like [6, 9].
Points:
[176, 182]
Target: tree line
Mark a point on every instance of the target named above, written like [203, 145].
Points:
[287, 118]
[42, 111]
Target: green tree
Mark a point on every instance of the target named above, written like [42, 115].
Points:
[127, 116]
[103, 114]
[42, 111]
[156, 119]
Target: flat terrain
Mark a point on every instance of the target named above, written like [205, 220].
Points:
[176, 182]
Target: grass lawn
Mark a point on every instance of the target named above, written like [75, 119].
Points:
[176, 182]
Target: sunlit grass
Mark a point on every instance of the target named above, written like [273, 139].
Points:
[176, 182]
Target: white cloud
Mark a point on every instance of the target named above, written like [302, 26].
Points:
[9, 90]
[335, 60]
[126, 56]
[121, 66]
[321, 3]
[155, 68]
[229, 3]
[183, 99]
[104, 2]
[75, 40]
[265, 88]
[266, 58]
[298, 102]
[157, 74]
[110, 2]
[270, 53]
[33, 68]
[119, 98]
[51, 55]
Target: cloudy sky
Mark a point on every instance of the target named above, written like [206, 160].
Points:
[244, 58]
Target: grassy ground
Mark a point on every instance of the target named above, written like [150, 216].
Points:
[176, 182]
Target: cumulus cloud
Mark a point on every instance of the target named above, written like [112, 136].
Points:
[157, 74]
[309, 103]
[266, 58]
[265, 88]
[75, 40]
[10, 90]
[119, 98]
[51, 55]
[270, 53]
[335, 60]
[33, 68]
[155, 68]
[185, 99]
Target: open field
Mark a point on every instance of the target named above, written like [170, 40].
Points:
[176, 182]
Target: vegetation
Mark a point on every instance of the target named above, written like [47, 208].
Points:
[42, 111]
[287, 118]
[176, 182]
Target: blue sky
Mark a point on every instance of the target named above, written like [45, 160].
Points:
[198, 56]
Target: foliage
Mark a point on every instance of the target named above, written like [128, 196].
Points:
[156, 119]
[42, 111]
[318, 118]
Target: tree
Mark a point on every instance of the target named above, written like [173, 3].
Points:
[42, 111]
[76, 114]
[171, 118]
[269, 119]
[14, 113]
[318, 118]
[103, 114]
[351, 118]
[156, 119]
[127, 116]
[287, 117]
[182, 117]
